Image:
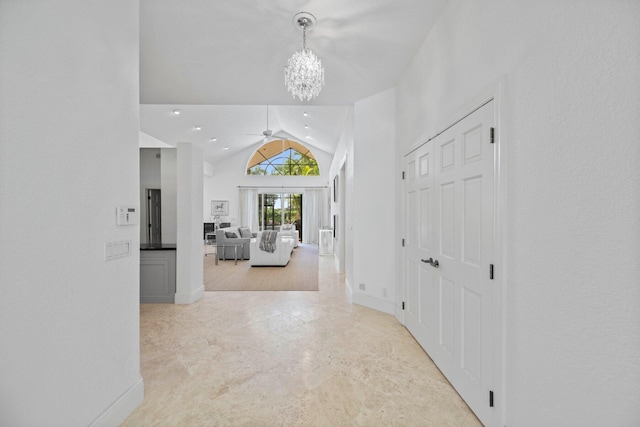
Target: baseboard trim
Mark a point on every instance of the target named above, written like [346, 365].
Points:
[124, 405]
[191, 297]
[378, 304]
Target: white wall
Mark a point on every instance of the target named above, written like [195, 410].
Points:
[228, 175]
[374, 210]
[572, 156]
[147, 141]
[343, 158]
[208, 169]
[189, 269]
[69, 321]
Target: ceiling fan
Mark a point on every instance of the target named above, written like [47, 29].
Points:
[268, 133]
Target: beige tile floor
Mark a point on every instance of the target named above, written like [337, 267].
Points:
[287, 358]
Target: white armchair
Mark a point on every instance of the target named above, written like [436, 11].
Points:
[279, 257]
[290, 230]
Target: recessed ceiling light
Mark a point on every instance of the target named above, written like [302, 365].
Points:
[226, 148]
[198, 128]
[306, 126]
[304, 113]
[176, 112]
[308, 137]
[214, 139]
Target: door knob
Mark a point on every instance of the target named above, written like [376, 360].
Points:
[435, 263]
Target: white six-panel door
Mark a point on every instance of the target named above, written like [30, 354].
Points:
[449, 220]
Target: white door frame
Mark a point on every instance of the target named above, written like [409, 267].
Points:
[497, 93]
[342, 235]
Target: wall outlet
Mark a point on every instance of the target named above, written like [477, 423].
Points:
[362, 287]
[384, 292]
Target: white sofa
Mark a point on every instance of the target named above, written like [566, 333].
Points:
[281, 255]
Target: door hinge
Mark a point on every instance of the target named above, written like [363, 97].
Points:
[403, 305]
[491, 271]
[490, 398]
[492, 133]
[402, 174]
[403, 243]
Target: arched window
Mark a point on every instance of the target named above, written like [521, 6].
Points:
[283, 157]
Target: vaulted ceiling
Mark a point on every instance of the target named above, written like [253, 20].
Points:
[222, 62]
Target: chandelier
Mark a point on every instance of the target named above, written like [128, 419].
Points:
[304, 75]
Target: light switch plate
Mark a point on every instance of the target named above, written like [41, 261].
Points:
[116, 250]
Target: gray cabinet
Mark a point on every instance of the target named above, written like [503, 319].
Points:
[157, 276]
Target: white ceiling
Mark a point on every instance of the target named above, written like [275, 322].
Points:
[238, 127]
[222, 61]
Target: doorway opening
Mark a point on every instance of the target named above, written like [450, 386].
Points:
[154, 218]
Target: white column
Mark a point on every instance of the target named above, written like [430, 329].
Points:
[190, 249]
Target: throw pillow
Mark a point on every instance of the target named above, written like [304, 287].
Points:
[286, 227]
[244, 232]
[230, 235]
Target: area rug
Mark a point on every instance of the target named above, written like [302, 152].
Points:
[301, 274]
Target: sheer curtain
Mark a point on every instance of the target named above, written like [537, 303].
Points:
[248, 210]
[315, 213]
